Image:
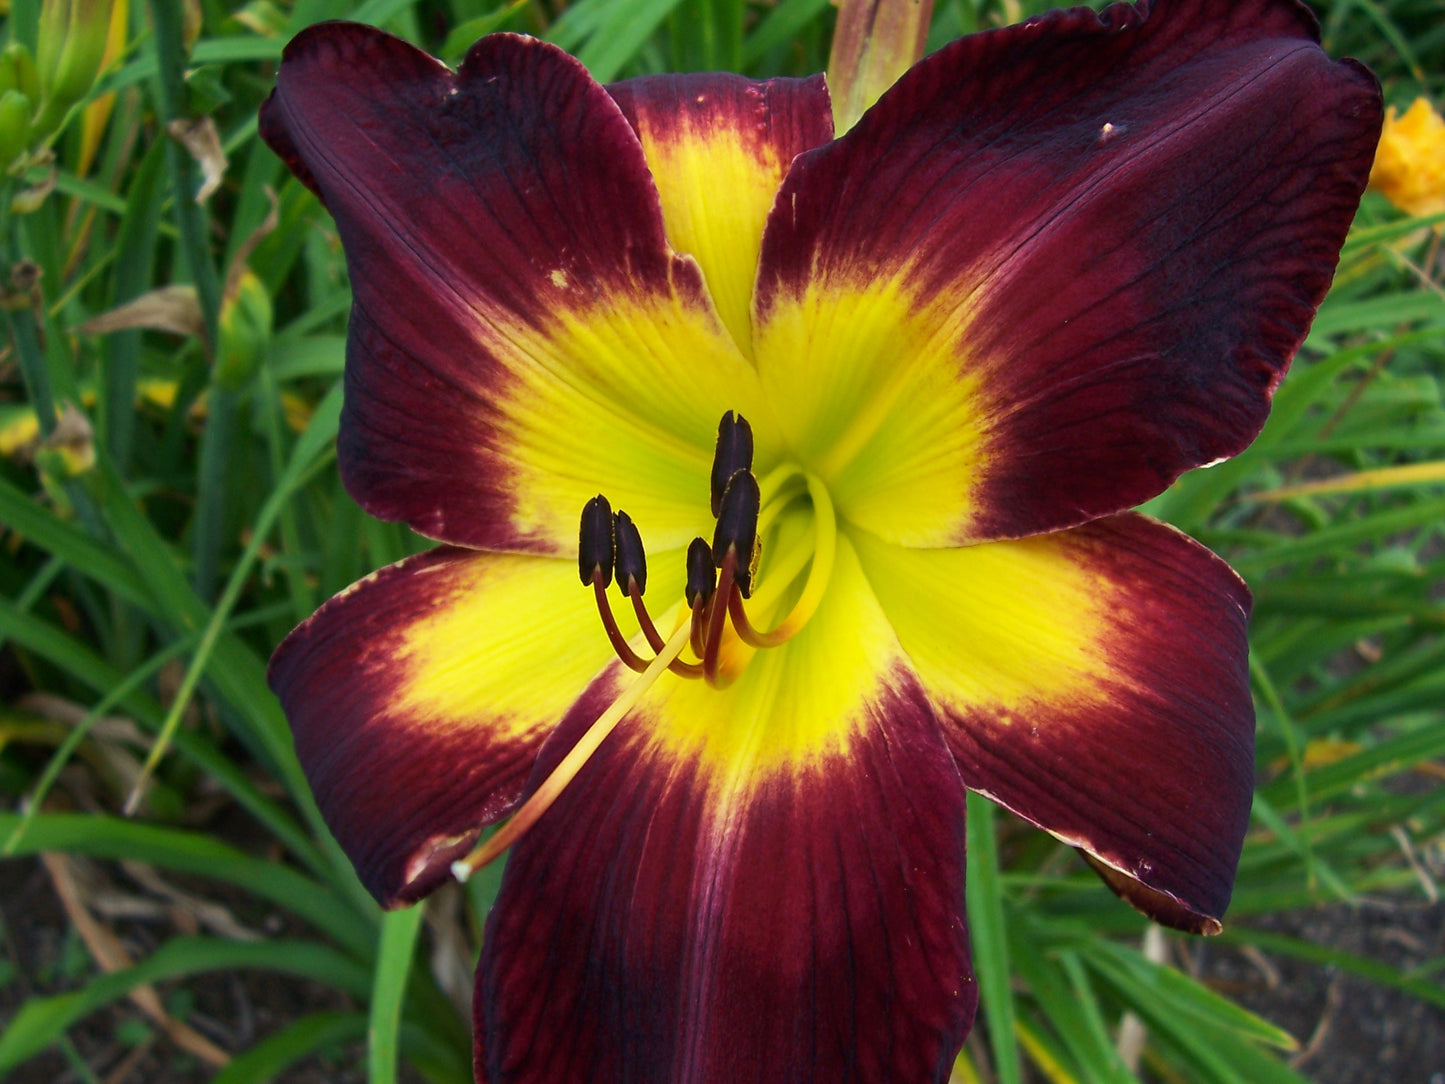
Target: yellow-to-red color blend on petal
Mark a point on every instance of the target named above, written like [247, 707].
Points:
[853, 427]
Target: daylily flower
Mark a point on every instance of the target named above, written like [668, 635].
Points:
[1055, 266]
[1409, 167]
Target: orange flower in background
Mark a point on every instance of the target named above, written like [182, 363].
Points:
[1409, 168]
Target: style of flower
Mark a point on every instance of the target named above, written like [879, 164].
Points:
[918, 373]
[1409, 167]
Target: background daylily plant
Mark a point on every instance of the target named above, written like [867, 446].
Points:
[782, 453]
[1052, 268]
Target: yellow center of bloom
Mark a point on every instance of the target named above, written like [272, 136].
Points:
[755, 587]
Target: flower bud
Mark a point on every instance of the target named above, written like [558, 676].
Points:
[16, 110]
[874, 42]
[69, 50]
[18, 71]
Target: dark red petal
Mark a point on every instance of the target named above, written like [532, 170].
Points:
[661, 925]
[1096, 682]
[420, 697]
[480, 213]
[1121, 221]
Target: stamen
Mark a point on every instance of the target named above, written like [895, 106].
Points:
[717, 616]
[594, 541]
[631, 575]
[543, 797]
[699, 627]
[619, 642]
[721, 576]
[631, 564]
[737, 529]
[596, 552]
[701, 584]
[701, 573]
[734, 452]
[654, 638]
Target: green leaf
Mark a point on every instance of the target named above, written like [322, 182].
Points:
[988, 935]
[780, 26]
[42, 1020]
[1078, 1028]
[606, 34]
[265, 1061]
[1163, 990]
[399, 931]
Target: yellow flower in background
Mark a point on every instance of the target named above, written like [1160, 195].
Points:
[1409, 168]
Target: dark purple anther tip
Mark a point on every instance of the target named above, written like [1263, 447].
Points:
[737, 527]
[701, 572]
[594, 543]
[631, 566]
[734, 453]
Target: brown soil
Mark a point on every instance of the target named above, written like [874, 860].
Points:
[1350, 1030]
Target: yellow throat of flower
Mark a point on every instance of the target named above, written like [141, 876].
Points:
[773, 551]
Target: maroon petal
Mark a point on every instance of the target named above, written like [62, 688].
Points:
[507, 357]
[420, 697]
[663, 924]
[1096, 682]
[1113, 227]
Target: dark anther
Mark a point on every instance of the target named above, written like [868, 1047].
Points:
[594, 544]
[701, 573]
[631, 561]
[734, 453]
[737, 527]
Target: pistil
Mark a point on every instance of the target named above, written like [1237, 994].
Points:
[567, 769]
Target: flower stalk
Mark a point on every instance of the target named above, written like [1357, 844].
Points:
[875, 42]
